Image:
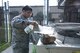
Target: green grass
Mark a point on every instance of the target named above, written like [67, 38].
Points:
[3, 46]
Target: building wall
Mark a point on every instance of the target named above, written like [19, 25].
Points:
[71, 10]
[54, 10]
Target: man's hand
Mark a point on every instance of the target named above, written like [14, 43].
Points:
[34, 23]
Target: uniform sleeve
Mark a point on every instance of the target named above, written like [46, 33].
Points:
[19, 23]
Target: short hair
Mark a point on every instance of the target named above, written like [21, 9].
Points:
[27, 8]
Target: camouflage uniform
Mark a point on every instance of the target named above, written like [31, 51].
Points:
[20, 40]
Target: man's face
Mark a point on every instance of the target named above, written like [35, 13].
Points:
[27, 13]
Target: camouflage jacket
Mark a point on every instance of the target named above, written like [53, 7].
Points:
[19, 37]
